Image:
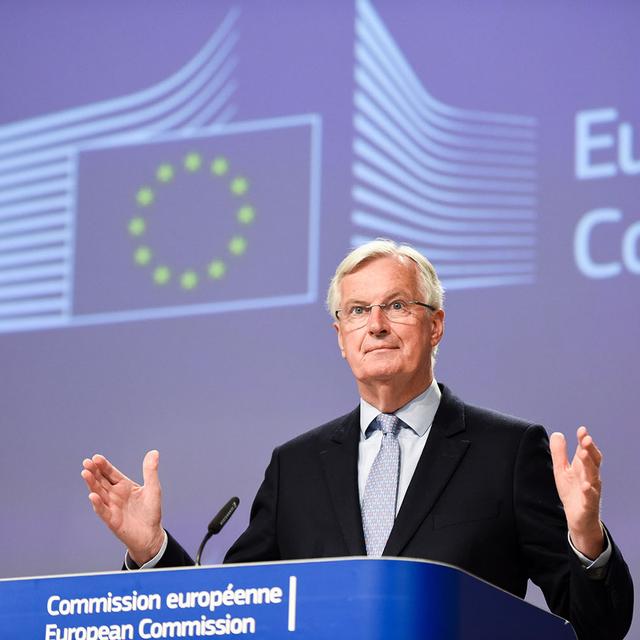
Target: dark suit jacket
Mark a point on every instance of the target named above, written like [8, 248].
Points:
[482, 498]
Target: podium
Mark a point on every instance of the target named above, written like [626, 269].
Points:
[350, 598]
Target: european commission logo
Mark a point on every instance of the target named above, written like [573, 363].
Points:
[158, 204]
[460, 185]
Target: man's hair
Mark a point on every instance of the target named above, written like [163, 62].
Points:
[428, 280]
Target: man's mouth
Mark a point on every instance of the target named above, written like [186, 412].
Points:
[385, 348]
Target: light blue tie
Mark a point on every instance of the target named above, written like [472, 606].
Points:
[381, 490]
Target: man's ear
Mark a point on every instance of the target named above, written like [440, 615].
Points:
[437, 327]
[336, 326]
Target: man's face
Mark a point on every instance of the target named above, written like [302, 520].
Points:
[383, 352]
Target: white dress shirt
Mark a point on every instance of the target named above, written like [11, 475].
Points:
[418, 416]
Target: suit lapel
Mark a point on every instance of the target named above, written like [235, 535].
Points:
[339, 456]
[441, 456]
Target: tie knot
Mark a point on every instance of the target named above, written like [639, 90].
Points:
[388, 424]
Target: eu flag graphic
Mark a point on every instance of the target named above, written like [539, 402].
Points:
[199, 223]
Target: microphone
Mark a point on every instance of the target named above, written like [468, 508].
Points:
[219, 520]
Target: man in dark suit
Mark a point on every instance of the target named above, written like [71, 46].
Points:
[413, 471]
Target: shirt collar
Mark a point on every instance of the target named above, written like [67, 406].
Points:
[417, 414]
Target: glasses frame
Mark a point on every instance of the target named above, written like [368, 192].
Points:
[383, 306]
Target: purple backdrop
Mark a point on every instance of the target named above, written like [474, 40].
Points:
[177, 184]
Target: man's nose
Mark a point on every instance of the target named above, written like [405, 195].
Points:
[378, 321]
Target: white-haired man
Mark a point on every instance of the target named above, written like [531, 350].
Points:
[412, 471]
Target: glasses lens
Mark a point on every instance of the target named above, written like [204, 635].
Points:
[358, 316]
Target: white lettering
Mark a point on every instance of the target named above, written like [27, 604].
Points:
[50, 609]
[582, 244]
[627, 162]
[229, 597]
[103, 632]
[57, 606]
[583, 241]
[587, 142]
[204, 626]
[630, 253]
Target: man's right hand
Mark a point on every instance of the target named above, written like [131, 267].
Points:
[131, 511]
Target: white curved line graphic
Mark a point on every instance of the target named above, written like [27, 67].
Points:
[459, 183]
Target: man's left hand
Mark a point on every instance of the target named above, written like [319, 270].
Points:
[579, 487]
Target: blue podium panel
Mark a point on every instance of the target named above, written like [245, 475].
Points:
[337, 599]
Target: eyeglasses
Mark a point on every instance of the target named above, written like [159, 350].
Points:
[357, 315]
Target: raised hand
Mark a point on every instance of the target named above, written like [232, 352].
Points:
[133, 512]
[579, 487]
